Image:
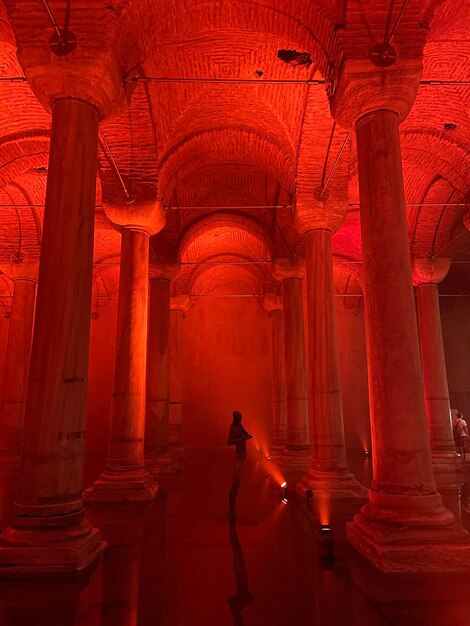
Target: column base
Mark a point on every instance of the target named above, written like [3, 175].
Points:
[163, 462]
[122, 485]
[445, 461]
[335, 483]
[295, 459]
[28, 553]
[402, 538]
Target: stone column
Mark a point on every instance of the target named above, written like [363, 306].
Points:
[329, 472]
[404, 526]
[125, 477]
[427, 274]
[273, 305]
[157, 446]
[178, 306]
[48, 531]
[296, 455]
[15, 377]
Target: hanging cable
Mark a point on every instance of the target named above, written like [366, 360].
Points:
[129, 198]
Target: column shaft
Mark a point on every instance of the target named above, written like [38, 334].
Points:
[51, 472]
[400, 442]
[295, 365]
[126, 448]
[176, 378]
[125, 477]
[15, 377]
[278, 380]
[436, 391]
[158, 370]
[329, 469]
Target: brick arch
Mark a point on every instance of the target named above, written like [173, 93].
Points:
[232, 146]
[225, 233]
[308, 26]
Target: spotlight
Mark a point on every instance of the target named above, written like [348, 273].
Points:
[268, 458]
[284, 486]
[326, 547]
[326, 532]
[284, 500]
[366, 453]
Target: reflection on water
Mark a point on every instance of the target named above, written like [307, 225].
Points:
[242, 595]
[172, 564]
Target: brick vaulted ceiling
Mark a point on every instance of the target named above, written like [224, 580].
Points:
[229, 158]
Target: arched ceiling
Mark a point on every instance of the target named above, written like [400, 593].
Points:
[231, 122]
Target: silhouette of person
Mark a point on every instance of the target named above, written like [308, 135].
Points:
[237, 437]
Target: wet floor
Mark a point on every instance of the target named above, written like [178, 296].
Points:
[182, 562]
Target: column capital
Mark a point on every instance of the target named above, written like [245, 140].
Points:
[165, 271]
[427, 270]
[22, 270]
[81, 64]
[321, 214]
[145, 215]
[180, 303]
[271, 302]
[284, 269]
[363, 88]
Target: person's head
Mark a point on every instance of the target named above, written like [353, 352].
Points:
[459, 415]
[237, 416]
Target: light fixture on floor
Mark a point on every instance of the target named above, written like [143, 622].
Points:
[326, 532]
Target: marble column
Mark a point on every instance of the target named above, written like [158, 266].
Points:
[126, 478]
[273, 304]
[178, 306]
[427, 274]
[329, 472]
[405, 526]
[15, 377]
[158, 457]
[48, 531]
[296, 454]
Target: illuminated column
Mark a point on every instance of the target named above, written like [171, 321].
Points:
[48, 532]
[125, 477]
[15, 377]
[50, 481]
[329, 472]
[157, 446]
[178, 306]
[427, 274]
[273, 305]
[296, 455]
[404, 526]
